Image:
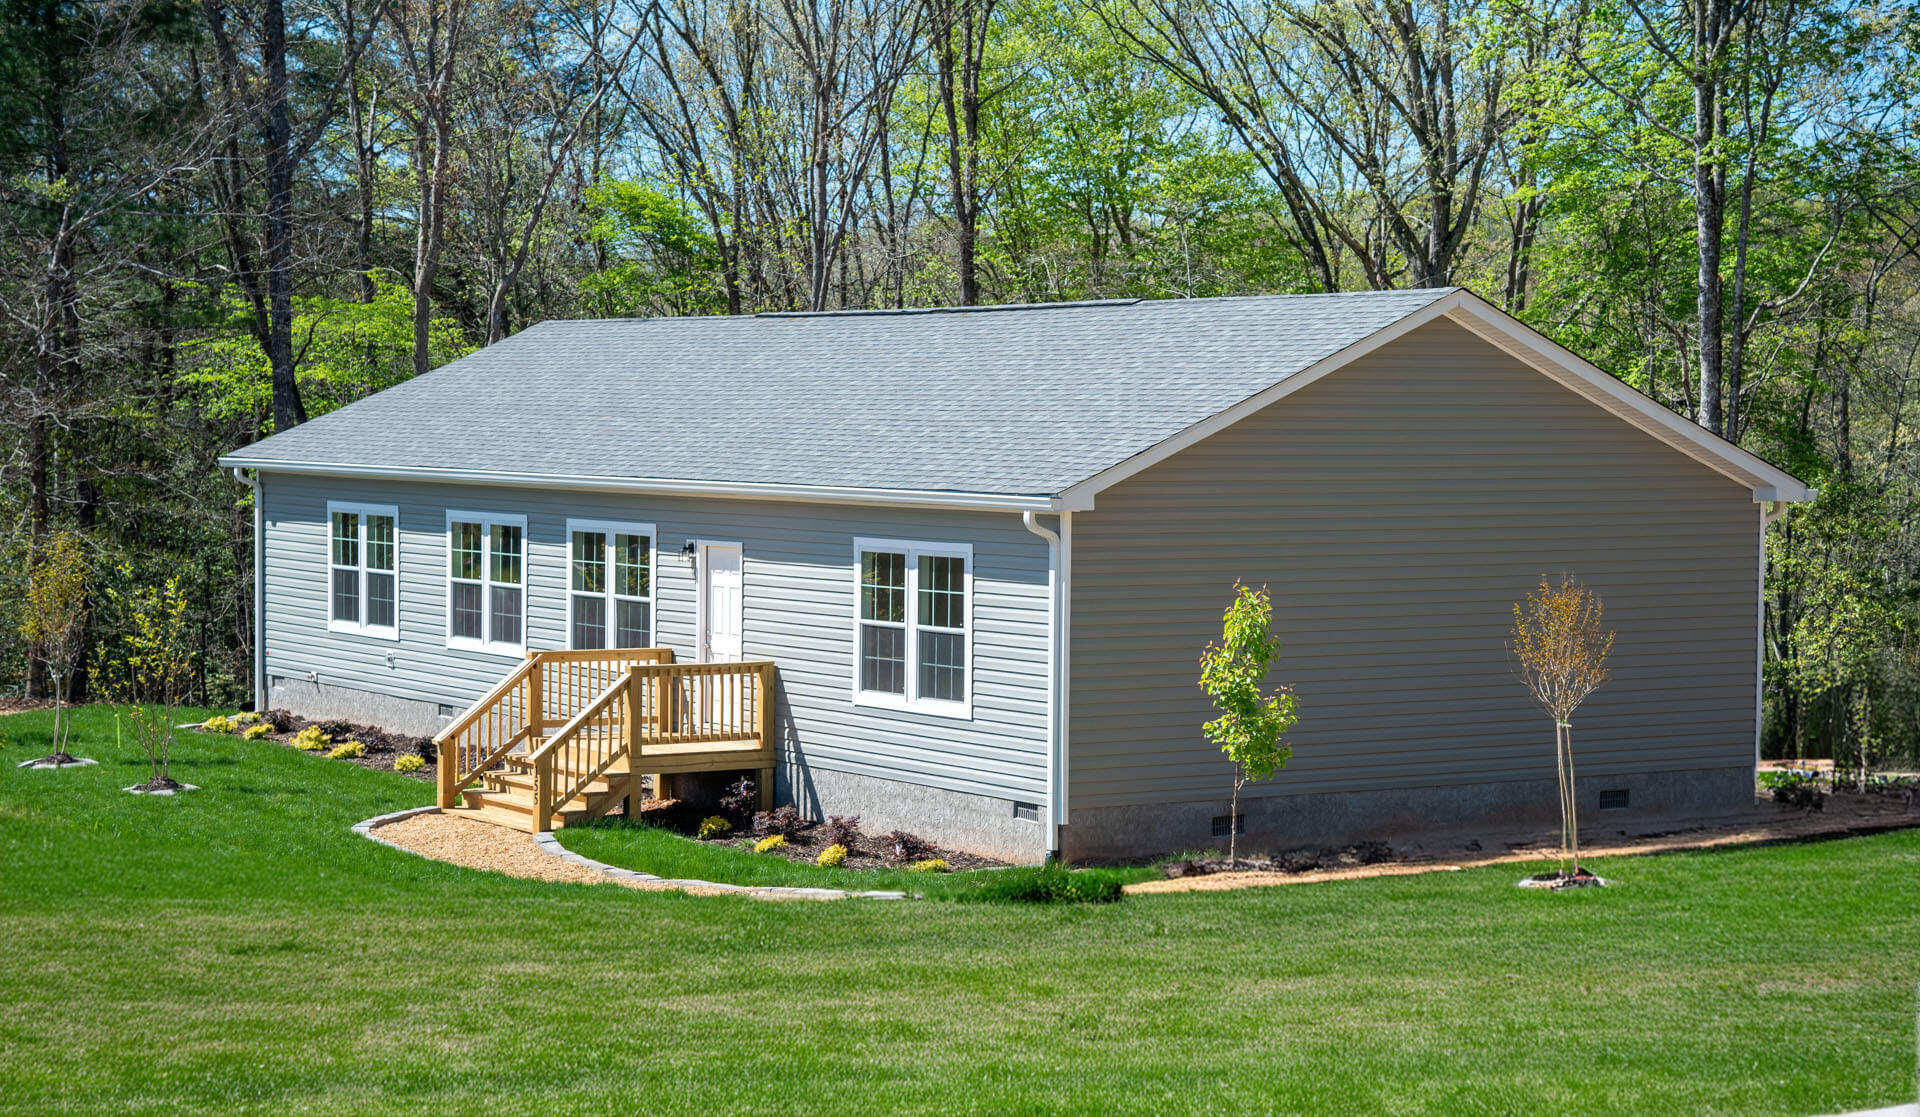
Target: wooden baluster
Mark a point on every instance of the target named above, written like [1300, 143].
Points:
[633, 708]
[536, 705]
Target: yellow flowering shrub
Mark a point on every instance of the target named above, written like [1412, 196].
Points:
[256, 732]
[770, 843]
[832, 855]
[348, 751]
[311, 739]
[218, 723]
[412, 762]
[930, 865]
[712, 826]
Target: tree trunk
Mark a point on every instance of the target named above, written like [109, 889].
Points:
[288, 411]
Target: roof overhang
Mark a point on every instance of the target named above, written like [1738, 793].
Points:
[822, 494]
[1766, 482]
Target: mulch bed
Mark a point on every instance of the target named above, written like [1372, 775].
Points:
[1293, 861]
[867, 851]
[381, 748]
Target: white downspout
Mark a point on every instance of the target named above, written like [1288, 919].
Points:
[1056, 721]
[259, 591]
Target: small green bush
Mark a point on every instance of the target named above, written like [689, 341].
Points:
[348, 751]
[245, 717]
[311, 739]
[770, 843]
[412, 762]
[712, 826]
[835, 854]
[1045, 884]
[218, 723]
[930, 865]
[256, 732]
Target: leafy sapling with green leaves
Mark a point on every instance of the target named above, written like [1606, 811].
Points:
[150, 671]
[55, 625]
[1251, 721]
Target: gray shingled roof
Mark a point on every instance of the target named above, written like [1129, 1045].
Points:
[1015, 400]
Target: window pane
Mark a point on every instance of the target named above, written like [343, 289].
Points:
[590, 562]
[589, 622]
[505, 604]
[943, 591]
[466, 611]
[883, 659]
[630, 571]
[466, 551]
[379, 542]
[943, 666]
[635, 624]
[346, 539]
[379, 599]
[506, 556]
[346, 595]
[883, 586]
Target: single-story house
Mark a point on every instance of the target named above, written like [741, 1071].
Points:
[978, 552]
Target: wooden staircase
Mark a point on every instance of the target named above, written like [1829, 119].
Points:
[567, 735]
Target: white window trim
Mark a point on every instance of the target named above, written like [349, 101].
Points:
[911, 700]
[487, 522]
[612, 528]
[360, 627]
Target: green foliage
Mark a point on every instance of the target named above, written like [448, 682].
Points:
[713, 826]
[218, 723]
[1046, 884]
[311, 739]
[412, 762]
[770, 843]
[929, 865]
[149, 669]
[831, 856]
[661, 258]
[1232, 672]
[351, 750]
[56, 615]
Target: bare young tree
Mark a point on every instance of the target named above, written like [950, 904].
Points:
[56, 622]
[1561, 647]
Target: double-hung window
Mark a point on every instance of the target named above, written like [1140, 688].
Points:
[486, 582]
[363, 570]
[913, 646]
[609, 585]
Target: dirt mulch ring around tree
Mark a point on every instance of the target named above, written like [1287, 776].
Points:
[1847, 814]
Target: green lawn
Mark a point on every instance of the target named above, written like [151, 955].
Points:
[237, 950]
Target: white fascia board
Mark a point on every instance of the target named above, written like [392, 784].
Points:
[819, 494]
[1524, 343]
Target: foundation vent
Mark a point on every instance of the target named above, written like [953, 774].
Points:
[1616, 799]
[1229, 824]
[1027, 812]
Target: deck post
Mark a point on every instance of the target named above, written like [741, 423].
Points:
[536, 703]
[543, 795]
[635, 797]
[449, 761]
[764, 698]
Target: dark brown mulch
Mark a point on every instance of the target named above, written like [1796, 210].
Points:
[1293, 861]
[868, 851]
[382, 748]
[160, 783]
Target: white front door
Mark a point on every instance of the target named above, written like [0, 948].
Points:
[720, 602]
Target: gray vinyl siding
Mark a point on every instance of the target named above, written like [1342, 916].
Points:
[799, 588]
[1396, 509]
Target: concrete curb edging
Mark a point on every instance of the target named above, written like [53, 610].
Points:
[550, 846]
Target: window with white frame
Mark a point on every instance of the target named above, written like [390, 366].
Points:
[362, 569]
[913, 645]
[486, 581]
[609, 585]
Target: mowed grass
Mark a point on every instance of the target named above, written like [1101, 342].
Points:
[238, 950]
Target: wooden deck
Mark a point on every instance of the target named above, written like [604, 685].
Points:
[567, 735]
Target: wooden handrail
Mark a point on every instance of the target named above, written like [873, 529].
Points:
[488, 701]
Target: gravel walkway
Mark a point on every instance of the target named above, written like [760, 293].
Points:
[496, 849]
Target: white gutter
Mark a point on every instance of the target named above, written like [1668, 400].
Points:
[259, 591]
[1057, 635]
[920, 498]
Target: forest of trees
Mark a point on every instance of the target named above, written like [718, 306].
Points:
[223, 217]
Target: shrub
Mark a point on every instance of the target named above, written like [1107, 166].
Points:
[712, 826]
[426, 750]
[833, 855]
[1801, 791]
[337, 729]
[246, 717]
[218, 723]
[311, 739]
[409, 763]
[741, 796]
[348, 751]
[770, 843]
[843, 831]
[1046, 884]
[906, 847]
[784, 821]
[930, 865]
[281, 720]
[256, 732]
